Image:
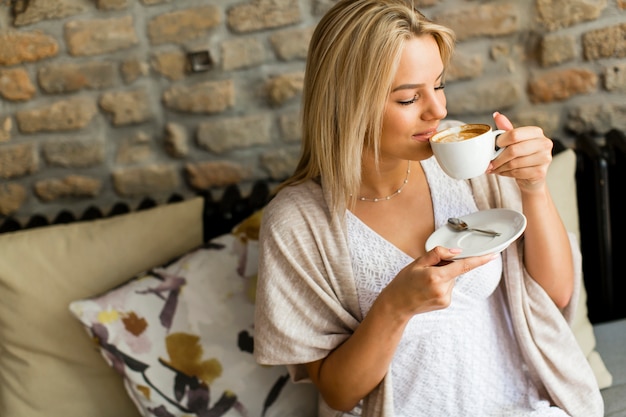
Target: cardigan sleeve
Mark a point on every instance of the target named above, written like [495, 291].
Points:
[555, 361]
[306, 303]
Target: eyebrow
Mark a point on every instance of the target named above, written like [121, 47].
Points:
[414, 86]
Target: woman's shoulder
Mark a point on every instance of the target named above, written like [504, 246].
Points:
[298, 200]
[306, 192]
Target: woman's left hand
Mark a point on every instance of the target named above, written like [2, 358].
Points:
[527, 155]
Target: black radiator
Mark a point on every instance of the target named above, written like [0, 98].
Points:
[600, 179]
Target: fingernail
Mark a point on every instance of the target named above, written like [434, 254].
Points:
[455, 250]
[495, 113]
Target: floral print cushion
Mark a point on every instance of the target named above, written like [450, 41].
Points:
[181, 336]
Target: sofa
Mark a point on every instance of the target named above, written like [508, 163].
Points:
[150, 313]
[603, 343]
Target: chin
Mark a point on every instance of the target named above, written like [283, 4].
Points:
[423, 154]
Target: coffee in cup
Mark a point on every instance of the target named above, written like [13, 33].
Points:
[465, 151]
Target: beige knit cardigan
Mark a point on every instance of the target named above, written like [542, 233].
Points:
[306, 302]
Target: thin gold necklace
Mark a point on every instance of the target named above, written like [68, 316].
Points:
[395, 193]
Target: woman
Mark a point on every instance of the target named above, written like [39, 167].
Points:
[349, 298]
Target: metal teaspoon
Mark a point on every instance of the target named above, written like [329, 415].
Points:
[460, 225]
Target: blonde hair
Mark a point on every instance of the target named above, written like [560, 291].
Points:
[352, 60]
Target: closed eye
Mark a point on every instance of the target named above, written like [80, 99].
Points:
[416, 97]
[408, 102]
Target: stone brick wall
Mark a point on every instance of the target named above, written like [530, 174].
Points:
[104, 101]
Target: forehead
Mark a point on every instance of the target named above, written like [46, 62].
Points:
[420, 62]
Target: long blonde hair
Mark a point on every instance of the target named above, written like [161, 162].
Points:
[352, 60]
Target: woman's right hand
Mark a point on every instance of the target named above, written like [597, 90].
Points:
[426, 284]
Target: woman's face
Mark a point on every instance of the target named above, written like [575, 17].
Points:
[416, 104]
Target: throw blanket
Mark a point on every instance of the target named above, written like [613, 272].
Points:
[307, 304]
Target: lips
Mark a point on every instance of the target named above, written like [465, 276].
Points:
[424, 136]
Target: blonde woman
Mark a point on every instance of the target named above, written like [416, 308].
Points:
[349, 298]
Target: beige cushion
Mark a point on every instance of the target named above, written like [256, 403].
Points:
[562, 183]
[48, 366]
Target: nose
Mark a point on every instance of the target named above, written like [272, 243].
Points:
[435, 106]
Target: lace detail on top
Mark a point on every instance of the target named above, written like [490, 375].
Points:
[460, 361]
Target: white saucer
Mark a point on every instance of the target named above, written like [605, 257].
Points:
[509, 223]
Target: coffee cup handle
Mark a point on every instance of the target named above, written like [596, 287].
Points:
[498, 151]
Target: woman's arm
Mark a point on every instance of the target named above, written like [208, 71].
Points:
[547, 252]
[357, 366]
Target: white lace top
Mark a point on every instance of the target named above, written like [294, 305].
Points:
[460, 361]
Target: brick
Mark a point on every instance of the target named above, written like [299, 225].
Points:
[171, 64]
[481, 20]
[596, 117]
[242, 53]
[134, 149]
[560, 85]
[615, 77]
[12, 197]
[20, 47]
[292, 44]
[15, 85]
[206, 175]
[464, 66]
[556, 14]
[482, 96]
[70, 186]
[549, 121]
[18, 160]
[133, 69]
[223, 135]
[281, 163]
[112, 4]
[283, 88]
[321, 6]
[609, 42]
[290, 126]
[36, 11]
[71, 77]
[205, 97]
[127, 107]
[183, 25]
[69, 114]
[6, 125]
[556, 49]
[152, 2]
[100, 36]
[263, 14]
[73, 153]
[500, 51]
[146, 180]
[176, 140]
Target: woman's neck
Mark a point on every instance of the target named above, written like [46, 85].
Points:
[384, 183]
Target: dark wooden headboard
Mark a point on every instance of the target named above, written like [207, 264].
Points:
[219, 215]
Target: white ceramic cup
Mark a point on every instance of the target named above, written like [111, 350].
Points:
[465, 151]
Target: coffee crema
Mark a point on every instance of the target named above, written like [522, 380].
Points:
[461, 135]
